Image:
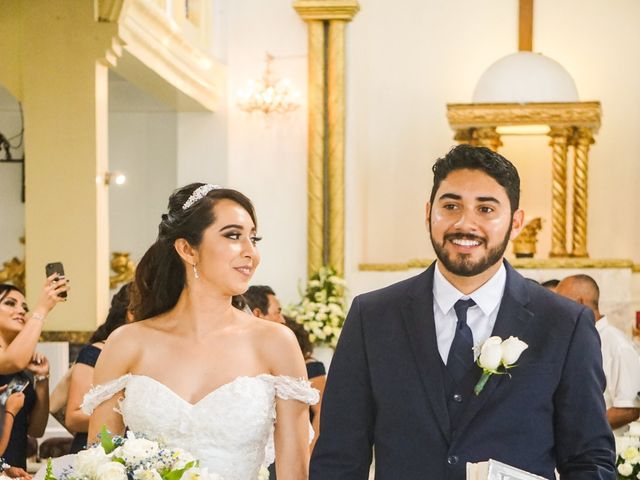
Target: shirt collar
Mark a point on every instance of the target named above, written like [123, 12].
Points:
[603, 322]
[487, 297]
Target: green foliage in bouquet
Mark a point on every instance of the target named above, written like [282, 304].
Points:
[322, 310]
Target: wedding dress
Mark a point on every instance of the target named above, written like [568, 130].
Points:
[230, 430]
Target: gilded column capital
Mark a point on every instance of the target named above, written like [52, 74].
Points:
[487, 137]
[327, 9]
[464, 135]
[583, 136]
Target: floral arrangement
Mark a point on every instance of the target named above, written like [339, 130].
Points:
[497, 356]
[628, 448]
[118, 458]
[322, 310]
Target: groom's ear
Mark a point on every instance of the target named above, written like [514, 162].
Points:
[427, 216]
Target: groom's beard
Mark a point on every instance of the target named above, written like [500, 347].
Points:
[463, 264]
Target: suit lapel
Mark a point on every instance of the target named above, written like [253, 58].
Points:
[417, 312]
[513, 320]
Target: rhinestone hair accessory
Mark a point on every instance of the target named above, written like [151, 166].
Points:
[199, 193]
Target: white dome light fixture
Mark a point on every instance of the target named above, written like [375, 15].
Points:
[525, 77]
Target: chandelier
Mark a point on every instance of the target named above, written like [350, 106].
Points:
[269, 94]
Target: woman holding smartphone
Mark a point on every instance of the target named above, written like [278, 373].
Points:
[22, 367]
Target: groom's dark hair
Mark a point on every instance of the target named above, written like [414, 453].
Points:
[483, 159]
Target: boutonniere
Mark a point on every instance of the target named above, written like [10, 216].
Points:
[497, 356]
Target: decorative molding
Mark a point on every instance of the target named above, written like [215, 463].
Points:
[71, 336]
[159, 42]
[123, 267]
[519, 263]
[327, 9]
[477, 115]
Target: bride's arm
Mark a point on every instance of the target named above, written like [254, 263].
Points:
[116, 360]
[291, 435]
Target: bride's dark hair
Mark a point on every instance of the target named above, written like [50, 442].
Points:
[160, 274]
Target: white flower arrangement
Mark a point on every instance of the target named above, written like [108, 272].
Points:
[118, 458]
[322, 310]
[497, 356]
[628, 453]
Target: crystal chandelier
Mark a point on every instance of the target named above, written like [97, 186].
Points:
[269, 94]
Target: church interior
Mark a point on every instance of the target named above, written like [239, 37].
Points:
[107, 106]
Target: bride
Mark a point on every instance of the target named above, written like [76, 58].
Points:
[196, 372]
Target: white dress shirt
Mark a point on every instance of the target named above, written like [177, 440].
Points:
[481, 317]
[621, 366]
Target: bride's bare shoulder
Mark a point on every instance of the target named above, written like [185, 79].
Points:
[279, 347]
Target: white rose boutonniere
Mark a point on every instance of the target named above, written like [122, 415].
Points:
[497, 356]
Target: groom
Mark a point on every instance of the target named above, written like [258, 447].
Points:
[403, 375]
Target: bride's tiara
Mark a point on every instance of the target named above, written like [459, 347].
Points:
[199, 193]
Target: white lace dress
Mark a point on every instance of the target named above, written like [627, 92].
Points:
[230, 430]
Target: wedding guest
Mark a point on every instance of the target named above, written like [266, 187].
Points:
[620, 360]
[82, 373]
[316, 372]
[14, 404]
[551, 284]
[317, 376]
[18, 362]
[263, 303]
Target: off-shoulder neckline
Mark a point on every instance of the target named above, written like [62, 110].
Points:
[261, 376]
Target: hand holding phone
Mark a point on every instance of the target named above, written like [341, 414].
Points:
[14, 386]
[58, 269]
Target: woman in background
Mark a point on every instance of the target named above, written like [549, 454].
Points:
[19, 335]
[315, 371]
[82, 374]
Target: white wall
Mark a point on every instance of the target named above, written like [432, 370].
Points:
[267, 160]
[143, 146]
[407, 61]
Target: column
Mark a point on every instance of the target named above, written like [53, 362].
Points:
[558, 141]
[582, 140]
[316, 150]
[327, 21]
[65, 101]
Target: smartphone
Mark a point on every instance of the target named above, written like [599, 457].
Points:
[56, 267]
[15, 385]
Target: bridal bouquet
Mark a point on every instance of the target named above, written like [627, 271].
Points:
[322, 310]
[118, 458]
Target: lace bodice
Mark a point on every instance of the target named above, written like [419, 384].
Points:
[230, 430]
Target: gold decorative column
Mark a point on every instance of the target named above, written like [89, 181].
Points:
[316, 147]
[487, 137]
[582, 141]
[327, 21]
[559, 139]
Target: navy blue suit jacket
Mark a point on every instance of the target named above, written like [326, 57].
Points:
[385, 389]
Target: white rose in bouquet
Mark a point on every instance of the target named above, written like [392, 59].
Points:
[136, 450]
[625, 469]
[512, 348]
[111, 471]
[491, 354]
[146, 475]
[197, 473]
[87, 461]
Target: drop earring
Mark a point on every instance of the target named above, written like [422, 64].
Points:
[195, 271]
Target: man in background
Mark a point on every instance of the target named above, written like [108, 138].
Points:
[263, 303]
[620, 361]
